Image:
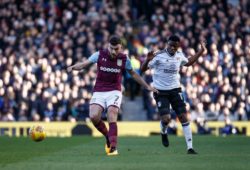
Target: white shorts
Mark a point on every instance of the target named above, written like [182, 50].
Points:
[106, 99]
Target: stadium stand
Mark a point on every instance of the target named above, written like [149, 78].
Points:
[39, 39]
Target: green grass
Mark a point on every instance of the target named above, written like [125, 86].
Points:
[138, 153]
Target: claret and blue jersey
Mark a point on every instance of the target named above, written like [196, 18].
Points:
[110, 70]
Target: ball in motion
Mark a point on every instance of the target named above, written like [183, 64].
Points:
[37, 133]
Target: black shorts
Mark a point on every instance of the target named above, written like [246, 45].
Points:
[174, 97]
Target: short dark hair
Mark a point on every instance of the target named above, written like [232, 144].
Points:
[174, 38]
[115, 40]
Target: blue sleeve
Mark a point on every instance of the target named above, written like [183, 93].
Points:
[94, 57]
[128, 65]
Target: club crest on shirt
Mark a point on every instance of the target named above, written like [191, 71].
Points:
[178, 58]
[119, 62]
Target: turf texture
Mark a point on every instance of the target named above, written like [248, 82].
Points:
[135, 153]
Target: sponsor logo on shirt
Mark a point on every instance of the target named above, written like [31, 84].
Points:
[170, 71]
[111, 70]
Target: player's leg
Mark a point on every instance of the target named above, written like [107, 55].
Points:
[179, 106]
[113, 103]
[165, 119]
[113, 131]
[95, 116]
[187, 132]
[97, 105]
[164, 111]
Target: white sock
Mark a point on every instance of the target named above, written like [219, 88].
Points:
[164, 128]
[188, 134]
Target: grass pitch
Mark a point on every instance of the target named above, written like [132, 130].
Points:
[135, 153]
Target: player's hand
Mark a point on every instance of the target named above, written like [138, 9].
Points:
[70, 68]
[203, 46]
[150, 55]
[152, 89]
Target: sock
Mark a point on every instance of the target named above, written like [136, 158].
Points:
[188, 134]
[112, 134]
[101, 127]
[164, 128]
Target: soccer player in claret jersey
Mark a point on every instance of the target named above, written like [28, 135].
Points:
[111, 63]
[166, 65]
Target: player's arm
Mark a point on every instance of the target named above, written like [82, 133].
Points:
[81, 65]
[136, 76]
[140, 80]
[194, 58]
[144, 65]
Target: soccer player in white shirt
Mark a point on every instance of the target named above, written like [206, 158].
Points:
[166, 65]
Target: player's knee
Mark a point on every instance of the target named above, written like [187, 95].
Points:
[183, 118]
[94, 120]
[95, 113]
[112, 114]
[94, 117]
[113, 110]
[166, 119]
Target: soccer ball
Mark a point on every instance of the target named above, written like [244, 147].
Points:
[37, 133]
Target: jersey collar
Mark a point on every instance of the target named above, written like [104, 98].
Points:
[169, 54]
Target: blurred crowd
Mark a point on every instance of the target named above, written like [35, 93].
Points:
[40, 38]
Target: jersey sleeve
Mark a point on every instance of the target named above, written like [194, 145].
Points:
[151, 63]
[128, 65]
[184, 60]
[94, 57]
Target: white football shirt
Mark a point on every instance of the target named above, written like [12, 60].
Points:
[166, 69]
